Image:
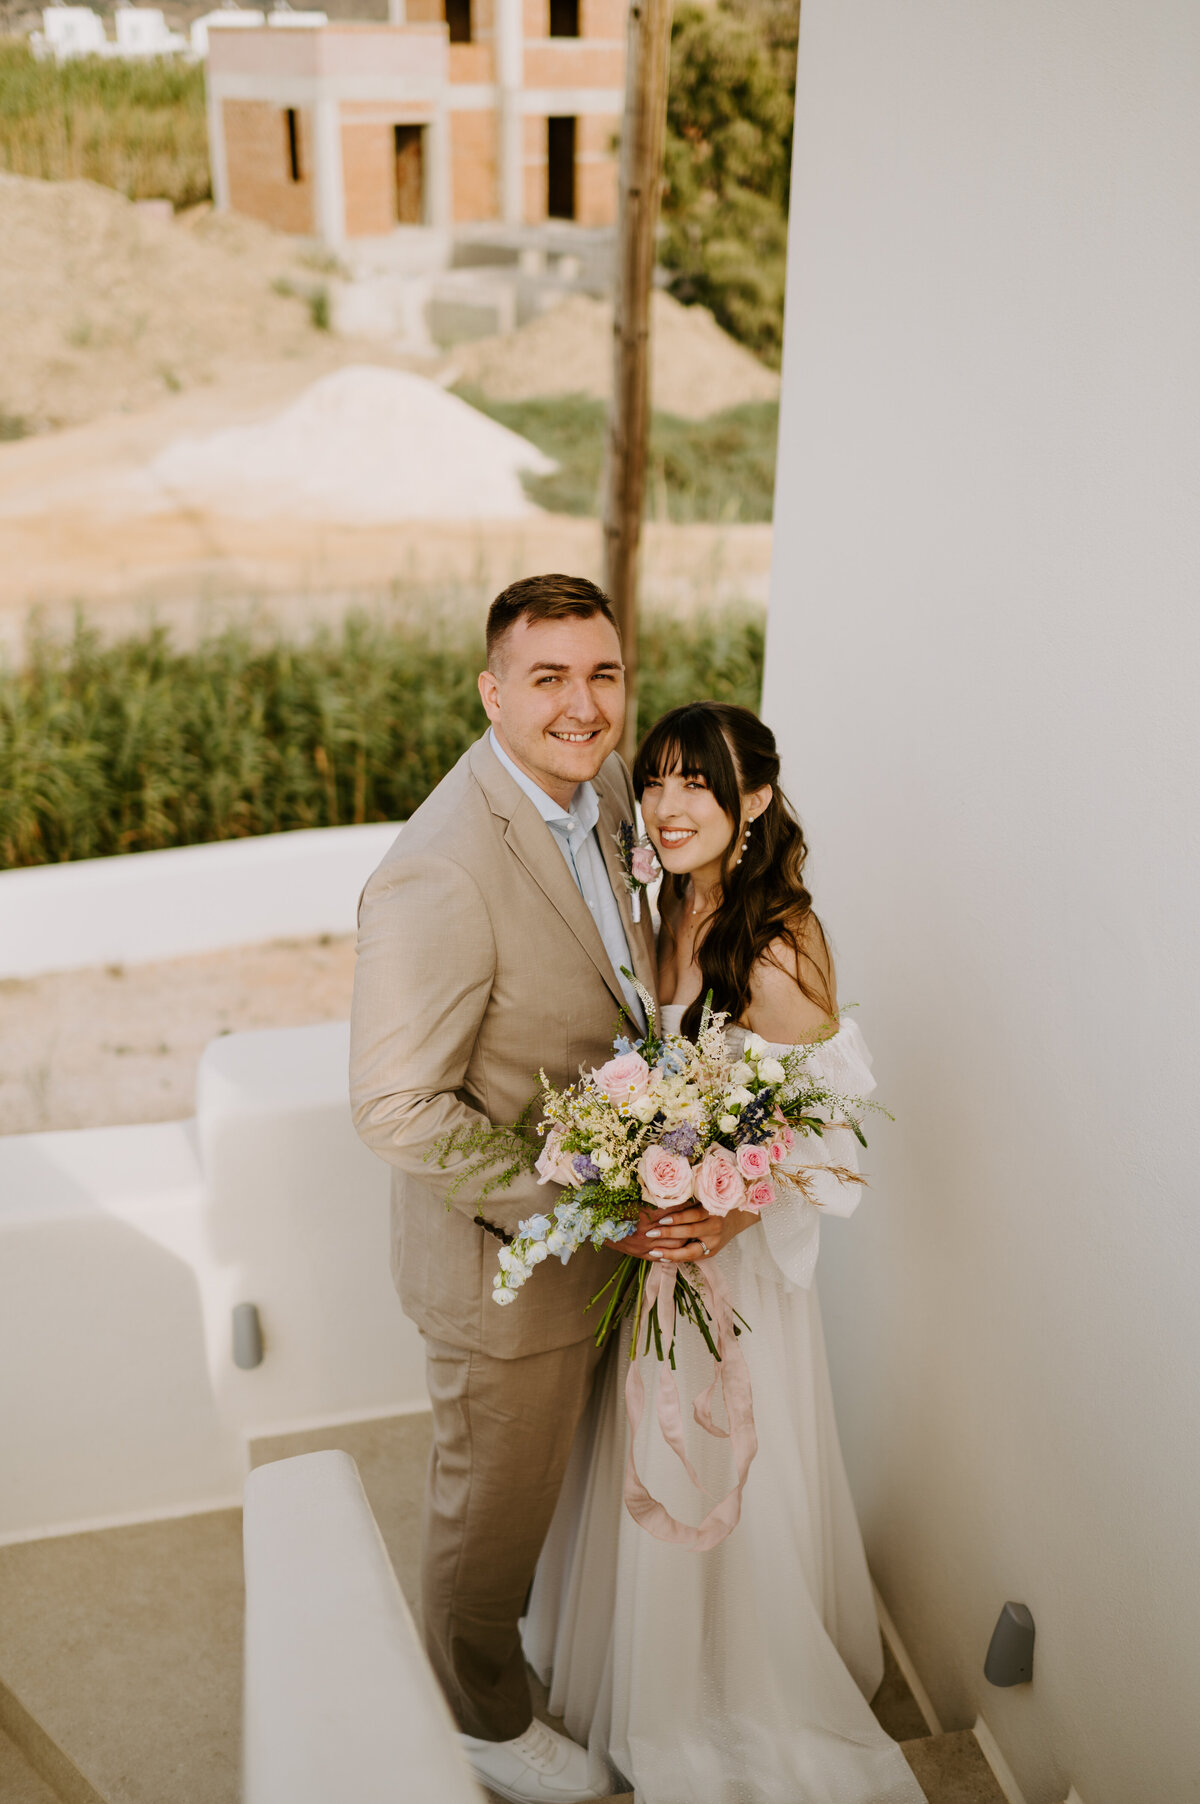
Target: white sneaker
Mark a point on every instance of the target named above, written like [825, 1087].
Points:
[539, 1767]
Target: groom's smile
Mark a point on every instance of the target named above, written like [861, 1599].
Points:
[555, 696]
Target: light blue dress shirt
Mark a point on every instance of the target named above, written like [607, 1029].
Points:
[574, 833]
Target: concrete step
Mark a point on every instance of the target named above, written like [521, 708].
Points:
[19, 1784]
[121, 1650]
[951, 1769]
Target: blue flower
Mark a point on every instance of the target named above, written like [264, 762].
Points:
[585, 1167]
[682, 1139]
[536, 1228]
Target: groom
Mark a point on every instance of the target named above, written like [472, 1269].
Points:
[490, 945]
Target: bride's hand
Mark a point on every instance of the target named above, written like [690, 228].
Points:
[680, 1235]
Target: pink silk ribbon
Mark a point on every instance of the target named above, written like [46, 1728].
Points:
[733, 1377]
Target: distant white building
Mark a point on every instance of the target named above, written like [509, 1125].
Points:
[73, 31]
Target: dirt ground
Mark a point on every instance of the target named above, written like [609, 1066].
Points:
[102, 1048]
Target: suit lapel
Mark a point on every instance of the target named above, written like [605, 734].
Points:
[532, 843]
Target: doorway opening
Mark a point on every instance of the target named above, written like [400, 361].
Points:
[564, 18]
[560, 168]
[410, 175]
[293, 144]
[458, 18]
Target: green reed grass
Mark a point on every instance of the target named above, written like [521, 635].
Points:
[138, 127]
[720, 469]
[136, 744]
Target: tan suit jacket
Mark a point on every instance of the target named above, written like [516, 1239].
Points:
[479, 963]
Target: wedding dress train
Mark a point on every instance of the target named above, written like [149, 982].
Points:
[741, 1675]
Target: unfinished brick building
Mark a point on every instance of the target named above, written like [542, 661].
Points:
[460, 111]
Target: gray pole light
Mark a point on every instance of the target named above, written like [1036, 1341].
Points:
[1010, 1655]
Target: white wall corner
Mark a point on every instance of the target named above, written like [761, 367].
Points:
[1001, 1770]
[892, 1636]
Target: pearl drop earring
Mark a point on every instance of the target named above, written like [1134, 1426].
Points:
[746, 841]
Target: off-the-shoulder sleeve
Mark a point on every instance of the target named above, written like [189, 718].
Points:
[791, 1226]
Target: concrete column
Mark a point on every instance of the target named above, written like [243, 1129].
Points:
[330, 190]
[397, 12]
[510, 80]
[217, 160]
[438, 198]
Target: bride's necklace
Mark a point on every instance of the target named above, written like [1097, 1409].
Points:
[703, 902]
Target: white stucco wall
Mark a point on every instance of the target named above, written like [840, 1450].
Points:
[982, 662]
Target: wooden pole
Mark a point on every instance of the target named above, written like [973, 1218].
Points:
[644, 129]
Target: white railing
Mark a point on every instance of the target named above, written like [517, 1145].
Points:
[340, 1703]
[145, 906]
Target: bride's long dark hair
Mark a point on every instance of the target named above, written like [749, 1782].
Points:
[764, 899]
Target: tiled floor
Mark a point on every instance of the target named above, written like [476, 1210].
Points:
[125, 1646]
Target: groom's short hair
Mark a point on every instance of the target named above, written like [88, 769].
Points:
[544, 598]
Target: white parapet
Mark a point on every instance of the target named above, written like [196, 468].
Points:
[145, 906]
[339, 1698]
[123, 1252]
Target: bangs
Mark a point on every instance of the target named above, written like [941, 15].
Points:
[690, 742]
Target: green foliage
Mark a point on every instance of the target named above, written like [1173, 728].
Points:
[133, 745]
[138, 127]
[727, 163]
[720, 468]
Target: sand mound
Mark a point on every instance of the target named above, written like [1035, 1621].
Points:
[362, 445]
[695, 367]
[107, 306]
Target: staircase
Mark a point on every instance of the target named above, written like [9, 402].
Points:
[121, 1650]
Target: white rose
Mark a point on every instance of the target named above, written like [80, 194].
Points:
[741, 1096]
[742, 1074]
[771, 1071]
[645, 1108]
[727, 1123]
[755, 1044]
[603, 1160]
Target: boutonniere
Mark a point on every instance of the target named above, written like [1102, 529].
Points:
[638, 864]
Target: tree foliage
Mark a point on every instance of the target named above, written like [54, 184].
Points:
[728, 162]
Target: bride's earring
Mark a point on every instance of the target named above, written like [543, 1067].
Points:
[746, 840]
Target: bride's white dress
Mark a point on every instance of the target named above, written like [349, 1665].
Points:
[741, 1675]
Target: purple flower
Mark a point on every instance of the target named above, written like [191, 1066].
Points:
[682, 1139]
[587, 1168]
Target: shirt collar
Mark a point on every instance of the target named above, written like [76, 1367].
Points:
[584, 811]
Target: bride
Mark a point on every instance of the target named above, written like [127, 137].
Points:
[740, 1675]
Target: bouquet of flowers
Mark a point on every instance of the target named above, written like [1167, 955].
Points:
[665, 1121]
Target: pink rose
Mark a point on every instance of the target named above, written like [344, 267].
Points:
[718, 1184]
[666, 1177]
[623, 1079]
[644, 865]
[781, 1143]
[760, 1194]
[753, 1162]
[553, 1164]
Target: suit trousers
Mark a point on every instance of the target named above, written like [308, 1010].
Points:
[502, 1434]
